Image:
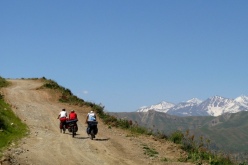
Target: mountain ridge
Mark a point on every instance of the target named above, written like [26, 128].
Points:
[212, 106]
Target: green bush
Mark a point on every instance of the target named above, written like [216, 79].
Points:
[3, 82]
[176, 137]
[149, 151]
[139, 130]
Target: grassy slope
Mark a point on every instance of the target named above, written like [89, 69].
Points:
[11, 127]
[165, 123]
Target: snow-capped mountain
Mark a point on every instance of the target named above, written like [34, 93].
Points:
[213, 106]
[161, 107]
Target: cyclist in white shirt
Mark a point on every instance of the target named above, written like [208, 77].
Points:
[62, 114]
[62, 117]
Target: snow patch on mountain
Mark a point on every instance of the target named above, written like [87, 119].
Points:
[194, 101]
[242, 100]
[161, 107]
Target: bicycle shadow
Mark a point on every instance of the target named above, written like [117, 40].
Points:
[96, 139]
[76, 137]
[101, 139]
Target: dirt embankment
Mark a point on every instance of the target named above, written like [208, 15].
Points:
[45, 145]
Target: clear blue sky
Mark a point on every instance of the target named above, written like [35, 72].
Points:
[130, 53]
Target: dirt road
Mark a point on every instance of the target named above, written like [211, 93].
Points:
[45, 145]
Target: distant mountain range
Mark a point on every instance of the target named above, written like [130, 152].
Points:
[213, 106]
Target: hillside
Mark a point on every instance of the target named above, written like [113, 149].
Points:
[39, 108]
[228, 129]
[227, 133]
